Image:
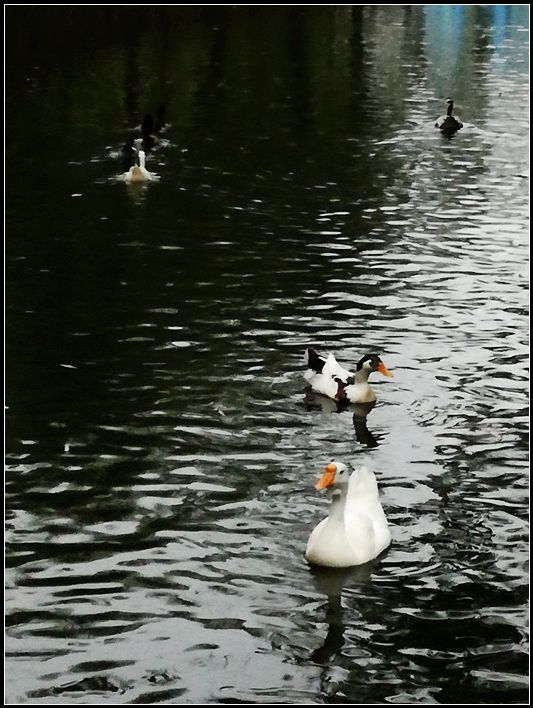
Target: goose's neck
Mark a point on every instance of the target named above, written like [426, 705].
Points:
[450, 108]
[142, 160]
[361, 376]
[338, 502]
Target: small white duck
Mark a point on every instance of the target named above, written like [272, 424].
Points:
[327, 377]
[139, 173]
[356, 530]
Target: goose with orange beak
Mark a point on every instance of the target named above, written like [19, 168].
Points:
[328, 377]
[356, 530]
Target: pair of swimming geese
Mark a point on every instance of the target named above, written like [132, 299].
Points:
[356, 530]
[134, 151]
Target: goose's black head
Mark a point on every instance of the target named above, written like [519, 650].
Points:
[449, 101]
[372, 362]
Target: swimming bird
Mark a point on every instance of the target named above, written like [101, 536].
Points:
[149, 140]
[448, 123]
[330, 379]
[356, 530]
[147, 126]
[138, 173]
[129, 153]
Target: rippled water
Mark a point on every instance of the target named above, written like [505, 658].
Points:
[161, 447]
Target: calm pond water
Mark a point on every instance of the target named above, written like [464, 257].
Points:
[161, 449]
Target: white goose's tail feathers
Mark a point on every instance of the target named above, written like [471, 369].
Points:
[326, 366]
[363, 483]
[334, 369]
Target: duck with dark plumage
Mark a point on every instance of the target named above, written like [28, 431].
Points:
[448, 124]
[149, 140]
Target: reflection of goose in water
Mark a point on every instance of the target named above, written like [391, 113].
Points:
[139, 173]
[448, 124]
[335, 637]
[362, 433]
[315, 401]
[326, 376]
[330, 582]
[356, 530]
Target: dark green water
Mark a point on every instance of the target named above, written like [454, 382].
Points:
[161, 450]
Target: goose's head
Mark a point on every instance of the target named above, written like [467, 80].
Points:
[370, 363]
[336, 474]
[449, 101]
[337, 479]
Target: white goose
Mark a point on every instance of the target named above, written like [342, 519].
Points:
[139, 173]
[356, 530]
[327, 377]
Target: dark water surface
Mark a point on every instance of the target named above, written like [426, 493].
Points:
[161, 450]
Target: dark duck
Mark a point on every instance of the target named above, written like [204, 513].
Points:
[448, 124]
[149, 140]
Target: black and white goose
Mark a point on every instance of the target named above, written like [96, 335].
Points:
[326, 376]
[448, 123]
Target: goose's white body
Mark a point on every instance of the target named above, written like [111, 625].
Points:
[356, 530]
[338, 383]
[138, 173]
[324, 382]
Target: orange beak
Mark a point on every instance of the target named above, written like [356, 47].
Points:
[383, 370]
[328, 477]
